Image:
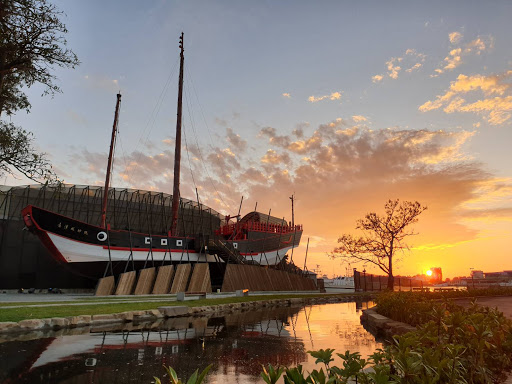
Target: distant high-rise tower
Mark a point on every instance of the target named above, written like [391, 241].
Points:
[437, 275]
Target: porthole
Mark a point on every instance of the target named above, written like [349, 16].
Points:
[102, 236]
[163, 242]
[179, 243]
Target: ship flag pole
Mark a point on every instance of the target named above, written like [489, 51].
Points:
[109, 165]
[177, 150]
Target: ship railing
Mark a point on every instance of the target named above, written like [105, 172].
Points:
[240, 228]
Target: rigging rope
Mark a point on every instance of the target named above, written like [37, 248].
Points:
[152, 119]
[210, 179]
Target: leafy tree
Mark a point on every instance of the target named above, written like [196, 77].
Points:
[383, 236]
[17, 151]
[32, 44]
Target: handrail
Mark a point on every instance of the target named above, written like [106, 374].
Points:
[229, 229]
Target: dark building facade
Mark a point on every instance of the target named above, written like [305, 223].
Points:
[25, 262]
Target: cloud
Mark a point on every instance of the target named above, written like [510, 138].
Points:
[333, 96]
[235, 140]
[76, 117]
[339, 171]
[411, 59]
[496, 106]
[287, 95]
[272, 157]
[455, 57]
[415, 66]
[358, 118]
[455, 37]
[102, 82]
[394, 69]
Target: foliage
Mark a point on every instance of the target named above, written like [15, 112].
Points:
[17, 152]
[383, 236]
[195, 378]
[415, 308]
[32, 42]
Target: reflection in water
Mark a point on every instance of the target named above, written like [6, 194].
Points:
[236, 344]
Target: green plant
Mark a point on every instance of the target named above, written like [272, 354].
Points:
[196, 378]
[272, 375]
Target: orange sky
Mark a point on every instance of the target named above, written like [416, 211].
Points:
[345, 105]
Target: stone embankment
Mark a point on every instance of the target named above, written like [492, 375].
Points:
[382, 326]
[57, 323]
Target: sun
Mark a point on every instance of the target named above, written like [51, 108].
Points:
[429, 273]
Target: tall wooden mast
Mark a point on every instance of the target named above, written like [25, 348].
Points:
[177, 150]
[109, 165]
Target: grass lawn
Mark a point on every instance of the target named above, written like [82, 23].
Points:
[64, 310]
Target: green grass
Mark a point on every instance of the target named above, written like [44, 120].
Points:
[81, 300]
[17, 314]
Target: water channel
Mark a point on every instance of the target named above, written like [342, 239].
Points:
[236, 344]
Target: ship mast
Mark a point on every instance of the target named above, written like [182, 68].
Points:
[109, 165]
[177, 150]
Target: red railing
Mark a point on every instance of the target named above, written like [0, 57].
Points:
[240, 229]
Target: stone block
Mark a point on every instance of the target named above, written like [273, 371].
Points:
[155, 313]
[8, 325]
[31, 324]
[105, 319]
[125, 316]
[59, 322]
[180, 296]
[174, 311]
[377, 320]
[79, 321]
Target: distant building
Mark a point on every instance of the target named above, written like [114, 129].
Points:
[477, 274]
[437, 275]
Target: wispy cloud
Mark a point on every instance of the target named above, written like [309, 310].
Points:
[411, 58]
[333, 96]
[455, 37]
[102, 82]
[496, 106]
[359, 118]
[335, 170]
[455, 57]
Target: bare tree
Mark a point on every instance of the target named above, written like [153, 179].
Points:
[32, 44]
[383, 236]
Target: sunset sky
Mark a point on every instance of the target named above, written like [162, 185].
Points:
[344, 104]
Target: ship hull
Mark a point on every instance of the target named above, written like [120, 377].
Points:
[87, 248]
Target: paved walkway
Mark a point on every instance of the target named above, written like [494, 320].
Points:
[56, 300]
[504, 304]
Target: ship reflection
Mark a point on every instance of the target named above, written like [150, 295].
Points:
[237, 345]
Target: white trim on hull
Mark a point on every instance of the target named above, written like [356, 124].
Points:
[78, 252]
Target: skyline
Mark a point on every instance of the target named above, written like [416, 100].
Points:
[345, 106]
